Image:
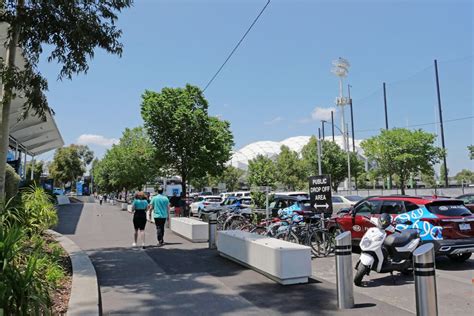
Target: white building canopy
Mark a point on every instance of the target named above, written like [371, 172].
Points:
[33, 134]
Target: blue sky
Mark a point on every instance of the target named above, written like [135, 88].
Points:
[281, 72]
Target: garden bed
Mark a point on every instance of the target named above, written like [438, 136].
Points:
[60, 297]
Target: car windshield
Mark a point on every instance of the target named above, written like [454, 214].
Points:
[213, 199]
[447, 208]
[354, 198]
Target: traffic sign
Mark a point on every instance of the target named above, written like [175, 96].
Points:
[320, 193]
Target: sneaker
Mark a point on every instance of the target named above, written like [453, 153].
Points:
[134, 244]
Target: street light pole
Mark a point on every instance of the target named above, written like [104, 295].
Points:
[322, 123]
[352, 124]
[341, 68]
[441, 125]
[332, 124]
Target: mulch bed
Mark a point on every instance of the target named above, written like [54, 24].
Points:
[60, 298]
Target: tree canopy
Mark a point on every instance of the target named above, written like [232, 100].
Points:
[186, 138]
[470, 148]
[464, 176]
[333, 161]
[130, 164]
[71, 29]
[69, 163]
[289, 169]
[402, 152]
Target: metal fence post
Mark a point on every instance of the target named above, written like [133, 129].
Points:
[425, 280]
[345, 287]
[212, 225]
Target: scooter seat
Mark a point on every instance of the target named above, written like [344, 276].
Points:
[400, 239]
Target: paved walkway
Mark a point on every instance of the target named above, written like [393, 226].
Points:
[183, 278]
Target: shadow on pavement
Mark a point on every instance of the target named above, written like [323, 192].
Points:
[388, 280]
[68, 218]
[446, 264]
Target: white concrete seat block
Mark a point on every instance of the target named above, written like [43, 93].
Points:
[62, 199]
[282, 261]
[189, 228]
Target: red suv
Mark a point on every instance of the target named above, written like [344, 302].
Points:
[445, 222]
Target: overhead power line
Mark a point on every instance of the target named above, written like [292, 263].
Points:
[236, 46]
[423, 124]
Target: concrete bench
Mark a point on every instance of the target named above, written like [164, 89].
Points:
[281, 261]
[189, 228]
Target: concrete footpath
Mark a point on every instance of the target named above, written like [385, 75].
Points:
[182, 278]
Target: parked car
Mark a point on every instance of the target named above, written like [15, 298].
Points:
[447, 223]
[205, 204]
[283, 201]
[300, 194]
[233, 200]
[340, 202]
[242, 193]
[468, 200]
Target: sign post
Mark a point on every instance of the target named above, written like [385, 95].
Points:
[320, 193]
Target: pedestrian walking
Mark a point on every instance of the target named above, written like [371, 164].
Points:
[139, 208]
[105, 198]
[175, 204]
[101, 198]
[160, 205]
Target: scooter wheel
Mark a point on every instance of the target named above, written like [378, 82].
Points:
[361, 271]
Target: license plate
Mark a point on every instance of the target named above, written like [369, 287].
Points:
[465, 226]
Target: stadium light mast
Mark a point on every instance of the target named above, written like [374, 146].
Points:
[341, 69]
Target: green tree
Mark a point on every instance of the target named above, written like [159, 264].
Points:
[71, 30]
[261, 173]
[37, 167]
[231, 176]
[402, 152]
[69, 163]
[290, 169]
[128, 165]
[186, 138]
[464, 176]
[471, 151]
[428, 178]
[333, 161]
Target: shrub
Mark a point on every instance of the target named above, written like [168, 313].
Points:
[12, 181]
[40, 213]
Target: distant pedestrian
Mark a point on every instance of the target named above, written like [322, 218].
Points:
[139, 208]
[174, 203]
[160, 206]
[105, 198]
[101, 198]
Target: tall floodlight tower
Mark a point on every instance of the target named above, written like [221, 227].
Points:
[341, 69]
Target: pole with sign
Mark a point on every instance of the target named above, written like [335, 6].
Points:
[320, 193]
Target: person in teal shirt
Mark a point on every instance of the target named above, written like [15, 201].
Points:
[160, 205]
[139, 207]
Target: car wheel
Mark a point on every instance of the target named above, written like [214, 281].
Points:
[460, 257]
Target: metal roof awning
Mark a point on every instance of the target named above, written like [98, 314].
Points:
[32, 134]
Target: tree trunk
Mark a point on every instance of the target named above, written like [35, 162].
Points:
[183, 183]
[402, 186]
[7, 93]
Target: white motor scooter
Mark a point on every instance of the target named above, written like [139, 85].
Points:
[385, 253]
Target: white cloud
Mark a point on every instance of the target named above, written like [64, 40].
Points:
[99, 140]
[320, 113]
[274, 121]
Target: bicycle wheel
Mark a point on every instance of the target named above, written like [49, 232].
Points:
[293, 238]
[319, 243]
[260, 230]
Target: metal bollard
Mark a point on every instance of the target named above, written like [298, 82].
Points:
[170, 215]
[425, 280]
[212, 224]
[345, 287]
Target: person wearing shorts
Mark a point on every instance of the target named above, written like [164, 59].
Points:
[139, 207]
